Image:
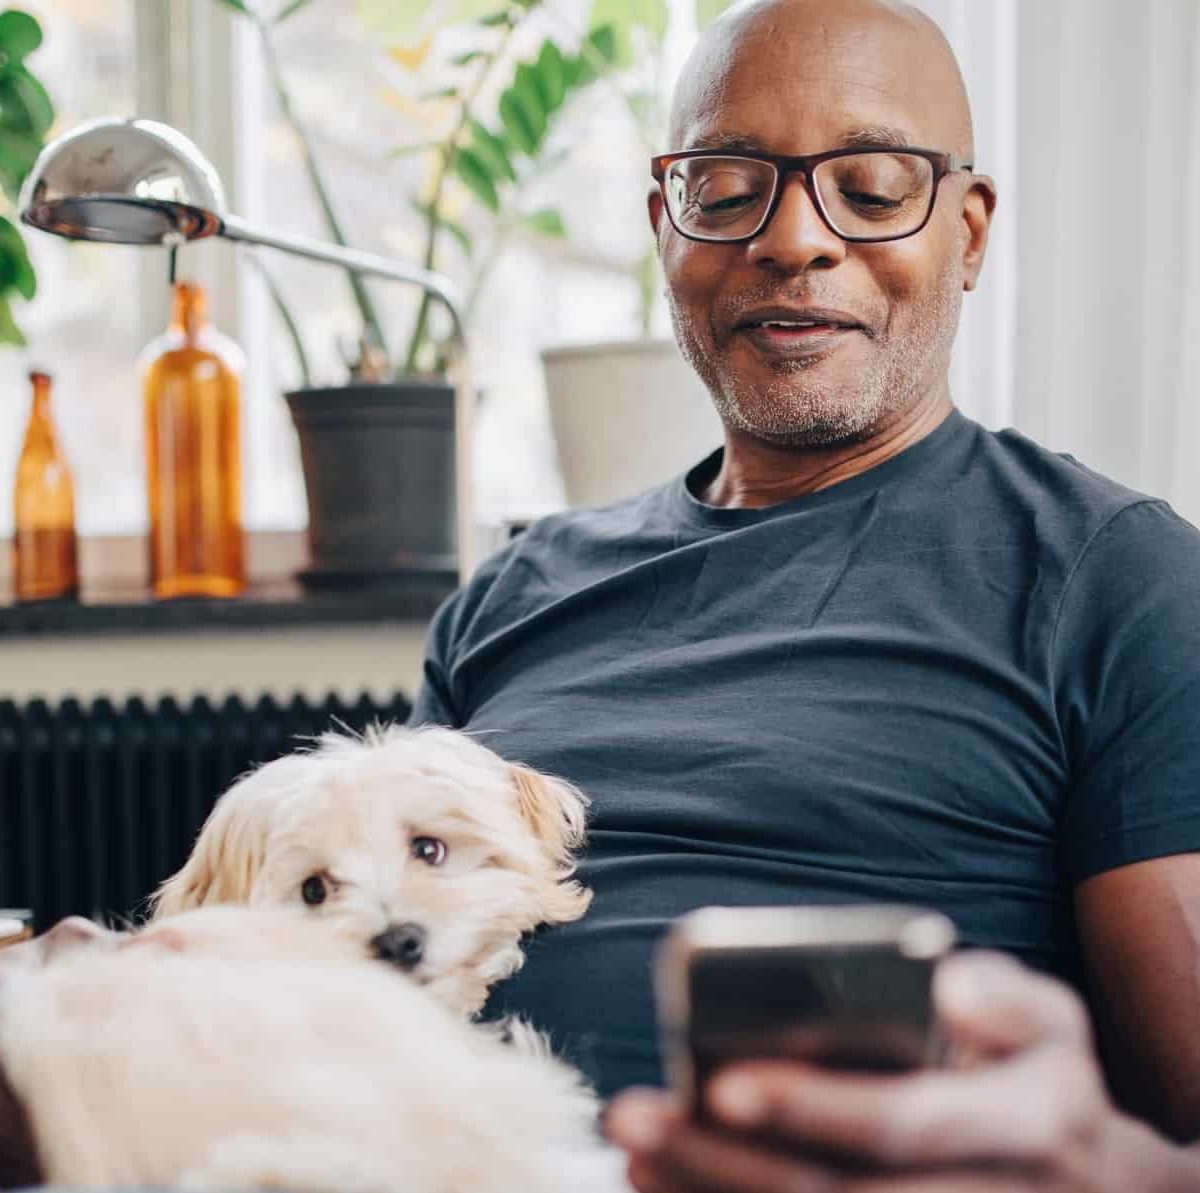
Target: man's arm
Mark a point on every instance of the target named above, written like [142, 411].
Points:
[1139, 928]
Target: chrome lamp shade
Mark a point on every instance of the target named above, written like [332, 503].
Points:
[124, 182]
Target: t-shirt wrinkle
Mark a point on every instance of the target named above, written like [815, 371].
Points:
[966, 678]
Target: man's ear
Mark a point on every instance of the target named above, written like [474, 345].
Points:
[978, 205]
[654, 204]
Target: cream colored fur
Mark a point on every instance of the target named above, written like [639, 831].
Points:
[214, 1051]
[350, 808]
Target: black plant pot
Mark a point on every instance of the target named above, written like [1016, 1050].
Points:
[379, 473]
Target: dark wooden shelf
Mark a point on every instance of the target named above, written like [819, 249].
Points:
[276, 604]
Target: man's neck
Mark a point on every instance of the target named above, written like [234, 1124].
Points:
[754, 474]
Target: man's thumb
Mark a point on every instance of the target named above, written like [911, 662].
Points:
[990, 1005]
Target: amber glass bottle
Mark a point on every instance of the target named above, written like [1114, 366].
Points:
[44, 563]
[191, 382]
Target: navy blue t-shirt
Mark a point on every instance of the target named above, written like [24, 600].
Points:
[968, 678]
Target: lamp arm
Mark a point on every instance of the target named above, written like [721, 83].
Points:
[233, 228]
[371, 264]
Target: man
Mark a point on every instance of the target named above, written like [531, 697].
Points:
[868, 651]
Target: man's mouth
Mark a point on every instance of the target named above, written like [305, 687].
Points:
[800, 332]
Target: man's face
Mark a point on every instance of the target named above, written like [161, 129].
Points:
[801, 85]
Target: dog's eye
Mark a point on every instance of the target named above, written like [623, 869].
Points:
[429, 850]
[313, 890]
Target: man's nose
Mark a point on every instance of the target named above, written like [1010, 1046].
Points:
[796, 238]
[401, 944]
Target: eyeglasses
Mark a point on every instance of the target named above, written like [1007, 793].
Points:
[865, 196]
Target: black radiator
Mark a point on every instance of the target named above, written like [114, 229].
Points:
[100, 802]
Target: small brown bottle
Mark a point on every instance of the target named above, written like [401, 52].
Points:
[44, 555]
[191, 384]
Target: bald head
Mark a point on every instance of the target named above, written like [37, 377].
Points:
[883, 46]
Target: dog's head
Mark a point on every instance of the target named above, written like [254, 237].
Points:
[431, 847]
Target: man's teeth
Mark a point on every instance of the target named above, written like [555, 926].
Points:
[789, 323]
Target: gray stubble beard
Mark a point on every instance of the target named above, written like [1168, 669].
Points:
[792, 413]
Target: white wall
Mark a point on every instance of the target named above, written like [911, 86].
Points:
[1108, 343]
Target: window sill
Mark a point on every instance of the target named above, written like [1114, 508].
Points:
[116, 600]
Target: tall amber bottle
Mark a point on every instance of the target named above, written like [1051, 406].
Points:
[191, 379]
[44, 554]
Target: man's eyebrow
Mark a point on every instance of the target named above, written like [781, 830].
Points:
[874, 136]
[871, 136]
[733, 141]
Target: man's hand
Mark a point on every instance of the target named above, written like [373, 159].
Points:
[1028, 1113]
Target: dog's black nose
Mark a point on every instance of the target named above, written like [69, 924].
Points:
[402, 944]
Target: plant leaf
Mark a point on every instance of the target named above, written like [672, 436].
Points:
[20, 35]
[551, 69]
[707, 11]
[290, 10]
[24, 104]
[600, 49]
[500, 17]
[518, 127]
[492, 151]
[547, 221]
[18, 270]
[10, 333]
[525, 84]
[474, 174]
[18, 151]
[416, 147]
[238, 6]
[466, 56]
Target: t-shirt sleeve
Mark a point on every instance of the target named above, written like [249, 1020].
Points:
[1126, 655]
[436, 702]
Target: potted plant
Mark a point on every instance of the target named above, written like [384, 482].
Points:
[378, 451]
[629, 413]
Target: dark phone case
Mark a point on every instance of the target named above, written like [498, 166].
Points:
[864, 1007]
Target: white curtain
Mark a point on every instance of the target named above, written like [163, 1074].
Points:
[1108, 297]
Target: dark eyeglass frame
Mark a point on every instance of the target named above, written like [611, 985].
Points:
[943, 164]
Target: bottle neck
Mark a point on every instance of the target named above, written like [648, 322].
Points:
[189, 309]
[40, 410]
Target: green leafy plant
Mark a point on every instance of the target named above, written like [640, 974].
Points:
[497, 145]
[493, 146]
[26, 115]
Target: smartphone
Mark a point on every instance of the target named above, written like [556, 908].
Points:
[848, 987]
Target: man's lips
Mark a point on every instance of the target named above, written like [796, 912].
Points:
[796, 331]
[797, 320]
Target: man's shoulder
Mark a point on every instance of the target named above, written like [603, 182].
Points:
[561, 551]
[1062, 492]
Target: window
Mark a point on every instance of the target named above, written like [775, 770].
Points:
[84, 325]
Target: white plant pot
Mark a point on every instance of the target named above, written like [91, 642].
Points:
[626, 415]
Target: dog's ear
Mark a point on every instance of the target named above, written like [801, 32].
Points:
[557, 814]
[231, 847]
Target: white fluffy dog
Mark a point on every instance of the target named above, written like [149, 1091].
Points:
[427, 847]
[212, 1051]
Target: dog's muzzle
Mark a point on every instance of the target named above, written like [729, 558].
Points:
[401, 944]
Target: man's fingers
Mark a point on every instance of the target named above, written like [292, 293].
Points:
[1023, 1109]
[640, 1119]
[694, 1159]
[992, 1005]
